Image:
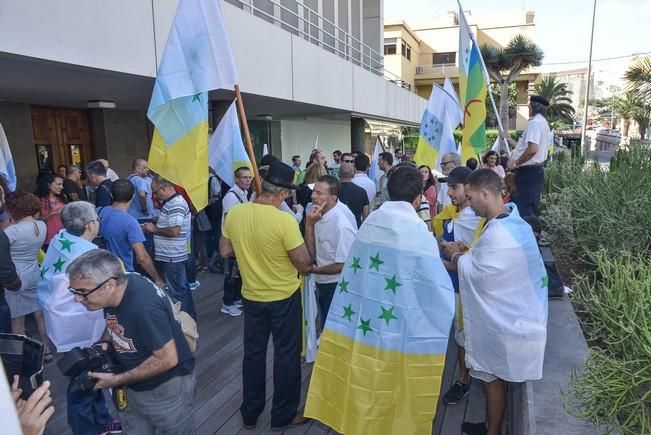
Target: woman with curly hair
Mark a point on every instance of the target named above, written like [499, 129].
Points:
[26, 235]
[49, 190]
[429, 187]
[491, 161]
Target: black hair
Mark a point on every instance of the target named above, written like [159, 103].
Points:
[405, 184]
[43, 187]
[472, 163]
[362, 162]
[241, 168]
[485, 179]
[489, 154]
[387, 157]
[122, 190]
[333, 184]
[431, 181]
[96, 168]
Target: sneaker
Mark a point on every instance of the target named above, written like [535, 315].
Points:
[474, 428]
[114, 427]
[194, 285]
[456, 393]
[231, 310]
[238, 303]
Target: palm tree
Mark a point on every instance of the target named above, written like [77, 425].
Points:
[642, 116]
[638, 76]
[560, 104]
[625, 107]
[504, 65]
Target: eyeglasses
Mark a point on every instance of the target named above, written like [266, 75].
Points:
[97, 219]
[84, 293]
[446, 163]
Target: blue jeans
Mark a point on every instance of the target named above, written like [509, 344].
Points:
[87, 412]
[177, 283]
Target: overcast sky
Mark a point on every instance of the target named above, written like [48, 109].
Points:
[562, 26]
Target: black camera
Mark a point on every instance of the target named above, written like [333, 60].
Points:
[78, 362]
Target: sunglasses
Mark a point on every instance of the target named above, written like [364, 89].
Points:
[84, 293]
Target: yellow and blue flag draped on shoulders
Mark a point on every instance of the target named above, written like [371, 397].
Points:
[472, 93]
[380, 359]
[226, 151]
[435, 132]
[197, 58]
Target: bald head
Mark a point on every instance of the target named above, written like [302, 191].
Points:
[346, 171]
[140, 167]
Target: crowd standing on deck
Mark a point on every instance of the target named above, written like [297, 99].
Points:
[119, 258]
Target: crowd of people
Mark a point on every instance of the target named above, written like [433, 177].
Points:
[106, 262]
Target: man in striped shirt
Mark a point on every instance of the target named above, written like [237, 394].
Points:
[171, 241]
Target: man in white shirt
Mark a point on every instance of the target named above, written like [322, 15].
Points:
[362, 163]
[449, 161]
[528, 158]
[329, 234]
[238, 194]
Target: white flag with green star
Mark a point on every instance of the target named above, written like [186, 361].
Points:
[380, 360]
[67, 322]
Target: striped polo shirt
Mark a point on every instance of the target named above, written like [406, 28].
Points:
[174, 212]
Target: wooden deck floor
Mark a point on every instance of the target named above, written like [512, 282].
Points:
[218, 370]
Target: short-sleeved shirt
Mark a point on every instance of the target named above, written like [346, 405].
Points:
[141, 184]
[442, 198]
[70, 187]
[355, 198]
[537, 131]
[120, 231]
[363, 181]
[103, 194]
[234, 196]
[174, 212]
[142, 323]
[334, 235]
[261, 236]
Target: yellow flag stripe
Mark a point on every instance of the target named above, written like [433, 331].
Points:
[405, 388]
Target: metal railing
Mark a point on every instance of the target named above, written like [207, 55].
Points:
[315, 28]
[434, 69]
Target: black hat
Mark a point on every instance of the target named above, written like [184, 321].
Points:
[280, 174]
[459, 175]
[539, 99]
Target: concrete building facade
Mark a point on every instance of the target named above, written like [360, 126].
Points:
[77, 77]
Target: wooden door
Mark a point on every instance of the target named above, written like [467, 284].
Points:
[61, 137]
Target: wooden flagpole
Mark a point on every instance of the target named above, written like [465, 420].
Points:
[247, 138]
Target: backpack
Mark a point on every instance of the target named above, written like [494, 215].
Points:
[214, 208]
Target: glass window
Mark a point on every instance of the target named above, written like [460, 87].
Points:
[406, 50]
[444, 58]
[390, 46]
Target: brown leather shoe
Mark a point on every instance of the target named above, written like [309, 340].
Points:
[298, 420]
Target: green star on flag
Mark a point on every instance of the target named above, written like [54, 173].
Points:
[392, 284]
[365, 326]
[343, 286]
[376, 262]
[545, 281]
[355, 266]
[65, 244]
[348, 312]
[58, 266]
[387, 315]
[44, 271]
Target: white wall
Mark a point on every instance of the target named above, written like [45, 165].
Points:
[297, 137]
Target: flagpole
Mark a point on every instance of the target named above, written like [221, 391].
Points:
[488, 82]
[247, 137]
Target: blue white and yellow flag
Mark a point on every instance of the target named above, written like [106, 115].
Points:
[197, 58]
[68, 323]
[551, 144]
[7, 168]
[472, 92]
[226, 151]
[435, 127]
[380, 360]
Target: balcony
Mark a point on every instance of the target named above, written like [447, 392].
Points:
[436, 71]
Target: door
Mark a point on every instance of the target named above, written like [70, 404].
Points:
[61, 137]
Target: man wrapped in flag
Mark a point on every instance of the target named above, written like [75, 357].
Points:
[381, 356]
[503, 286]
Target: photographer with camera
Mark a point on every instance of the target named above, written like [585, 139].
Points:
[154, 359]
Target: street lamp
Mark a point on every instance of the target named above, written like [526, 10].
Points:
[584, 137]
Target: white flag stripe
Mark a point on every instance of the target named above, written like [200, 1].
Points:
[226, 147]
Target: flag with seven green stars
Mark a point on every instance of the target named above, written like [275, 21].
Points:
[380, 359]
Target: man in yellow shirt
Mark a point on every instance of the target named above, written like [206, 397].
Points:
[271, 252]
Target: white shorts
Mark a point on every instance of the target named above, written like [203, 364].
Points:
[482, 376]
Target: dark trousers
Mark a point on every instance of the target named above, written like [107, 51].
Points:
[324, 293]
[281, 319]
[232, 282]
[87, 412]
[177, 282]
[528, 189]
[5, 316]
